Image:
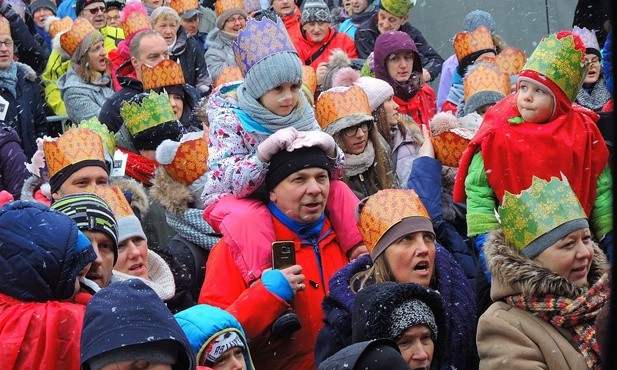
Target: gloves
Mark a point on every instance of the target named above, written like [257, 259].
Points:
[480, 240]
[281, 139]
[276, 283]
[319, 139]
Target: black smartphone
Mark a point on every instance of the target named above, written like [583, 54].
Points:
[283, 254]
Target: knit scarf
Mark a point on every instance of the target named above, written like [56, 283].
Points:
[8, 79]
[358, 163]
[302, 118]
[140, 168]
[576, 315]
[359, 18]
[308, 232]
[594, 98]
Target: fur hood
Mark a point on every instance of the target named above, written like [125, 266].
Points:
[138, 198]
[27, 70]
[174, 196]
[514, 273]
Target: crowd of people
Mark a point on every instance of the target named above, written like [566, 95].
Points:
[272, 185]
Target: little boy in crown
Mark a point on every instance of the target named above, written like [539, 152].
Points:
[538, 131]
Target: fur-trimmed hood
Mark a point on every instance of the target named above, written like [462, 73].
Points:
[135, 193]
[174, 196]
[514, 273]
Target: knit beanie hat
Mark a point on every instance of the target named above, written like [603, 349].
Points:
[285, 163]
[315, 11]
[91, 213]
[275, 61]
[81, 4]
[164, 352]
[399, 8]
[411, 313]
[38, 4]
[129, 225]
[217, 347]
[225, 9]
[377, 91]
[476, 18]
[484, 84]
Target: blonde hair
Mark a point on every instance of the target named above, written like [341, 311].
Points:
[83, 68]
[379, 272]
[164, 13]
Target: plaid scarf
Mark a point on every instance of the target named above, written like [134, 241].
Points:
[576, 315]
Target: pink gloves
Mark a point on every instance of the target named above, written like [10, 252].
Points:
[319, 139]
[281, 139]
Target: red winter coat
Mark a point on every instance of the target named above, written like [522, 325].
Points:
[422, 107]
[335, 40]
[256, 308]
[293, 23]
[40, 335]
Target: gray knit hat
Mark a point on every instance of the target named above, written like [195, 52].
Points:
[164, 352]
[410, 313]
[316, 11]
[476, 18]
[481, 99]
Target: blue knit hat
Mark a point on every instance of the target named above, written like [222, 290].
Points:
[477, 18]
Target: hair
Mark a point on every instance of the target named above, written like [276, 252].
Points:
[136, 41]
[499, 43]
[164, 13]
[379, 272]
[82, 67]
[381, 122]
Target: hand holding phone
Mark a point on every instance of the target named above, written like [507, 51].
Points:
[283, 254]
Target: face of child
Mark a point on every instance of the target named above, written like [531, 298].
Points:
[534, 102]
[281, 100]
[232, 359]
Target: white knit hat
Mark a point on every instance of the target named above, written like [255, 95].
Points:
[377, 91]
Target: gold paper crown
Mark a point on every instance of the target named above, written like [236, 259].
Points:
[109, 139]
[485, 78]
[309, 78]
[190, 160]
[228, 74]
[74, 146]
[115, 199]
[466, 43]
[339, 102]
[136, 21]
[71, 39]
[449, 147]
[5, 26]
[59, 25]
[536, 211]
[181, 6]
[561, 60]
[154, 110]
[511, 60]
[223, 5]
[165, 73]
[385, 209]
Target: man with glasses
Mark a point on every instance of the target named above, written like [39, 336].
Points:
[93, 11]
[231, 18]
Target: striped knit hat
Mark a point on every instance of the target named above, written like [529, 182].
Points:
[90, 213]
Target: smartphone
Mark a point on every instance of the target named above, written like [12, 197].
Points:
[283, 254]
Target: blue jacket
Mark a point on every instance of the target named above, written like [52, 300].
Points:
[128, 313]
[203, 323]
[13, 170]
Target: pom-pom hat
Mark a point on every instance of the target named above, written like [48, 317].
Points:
[315, 11]
[185, 160]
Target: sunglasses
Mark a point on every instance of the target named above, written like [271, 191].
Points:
[93, 11]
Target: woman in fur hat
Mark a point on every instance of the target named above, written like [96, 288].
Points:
[549, 283]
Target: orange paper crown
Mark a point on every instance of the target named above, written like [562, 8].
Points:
[449, 138]
[135, 18]
[181, 6]
[185, 161]
[74, 146]
[115, 199]
[71, 39]
[510, 60]
[223, 5]
[486, 78]
[165, 73]
[466, 43]
[309, 78]
[228, 74]
[340, 102]
[5, 27]
[59, 25]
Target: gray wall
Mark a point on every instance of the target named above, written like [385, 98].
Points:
[520, 23]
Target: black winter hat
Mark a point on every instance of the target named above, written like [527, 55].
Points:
[81, 4]
[285, 163]
[369, 355]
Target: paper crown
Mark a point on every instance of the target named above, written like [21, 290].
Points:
[153, 110]
[186, 160]
[181, 6]
[57, 25]
[588, 37]
[449, 138]
[466, 43]
[108, 138]
[228, 74]
[222, 6]
[536, 211]
[340, 102]
[260, 39]
[115, 199]
[309, 78]
[5, 26]
[251, 5]
[399, 8]
[560, 57]
[74, 146]
[486, 78]
[510, 60]
[385, 209]
[134, 18]
[71, 39]
[165, 73]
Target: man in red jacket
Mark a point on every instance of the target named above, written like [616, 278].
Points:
[298, 185]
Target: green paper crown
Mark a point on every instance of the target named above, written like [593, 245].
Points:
[109, 140]
[558, 60]
[538, 210]
[154, 110]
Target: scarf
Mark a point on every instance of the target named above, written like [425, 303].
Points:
[359, 18]
[139, 168]
[358, 163]
[8, 79]
[577, 315]
[594, 98]
[308, 232]
[302, 118]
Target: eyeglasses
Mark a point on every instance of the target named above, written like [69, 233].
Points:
[353, 130]
[94, 11]
[7, 43]
[235, 19]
